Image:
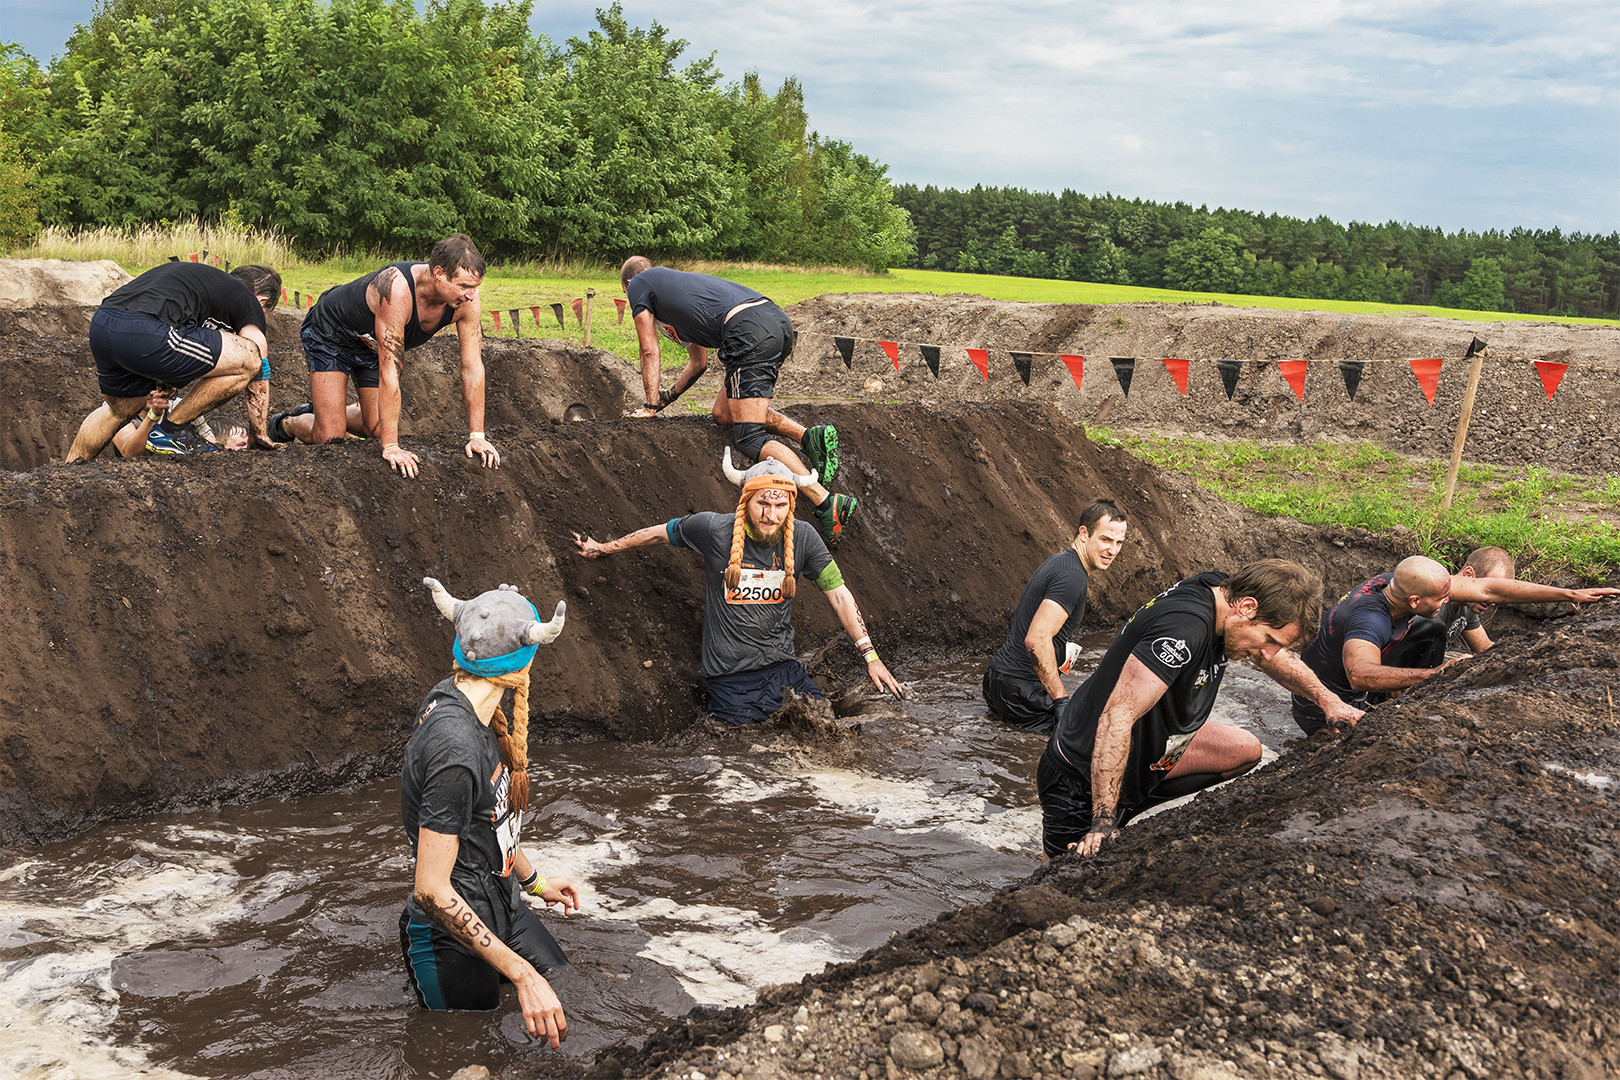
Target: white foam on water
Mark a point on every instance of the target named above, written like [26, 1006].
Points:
[732, 786]
[920, 806]
[581, 863]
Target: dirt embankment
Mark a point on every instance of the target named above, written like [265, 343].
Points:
[1513, 422]
[1432, 896]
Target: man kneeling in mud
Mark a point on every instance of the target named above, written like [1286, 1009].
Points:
[1138, 732]
[750, 561]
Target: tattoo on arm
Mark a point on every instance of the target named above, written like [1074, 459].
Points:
[460, 920]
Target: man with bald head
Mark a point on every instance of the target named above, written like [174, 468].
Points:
[1383, 635]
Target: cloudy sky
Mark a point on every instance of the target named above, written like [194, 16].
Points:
[1476, 115]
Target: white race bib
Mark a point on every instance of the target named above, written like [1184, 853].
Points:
[757, 587]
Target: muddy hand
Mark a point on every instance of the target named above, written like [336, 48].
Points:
[589, 548]
[400, 460]
[1101, 832]
[542, 1012]
[1586, 596]
[639, 414]
[486, 452]
[885, 681]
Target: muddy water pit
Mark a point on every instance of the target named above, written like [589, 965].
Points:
[261, 941]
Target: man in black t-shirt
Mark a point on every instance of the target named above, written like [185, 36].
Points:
[1021, 685]
[753, 338]
[1138, 730]
[177, 324]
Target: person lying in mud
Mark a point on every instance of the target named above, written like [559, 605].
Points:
[464, 788]
[1138, 732]
[361, 331]
[1021, 685]
[1384, 635]
[179, 324]
[133, 438]
[751, 559]
[754, 339]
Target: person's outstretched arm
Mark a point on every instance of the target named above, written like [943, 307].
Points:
[1470, 590]
[651, 536]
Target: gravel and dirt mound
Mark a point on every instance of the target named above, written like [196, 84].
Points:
[1433, 895]
[1513, 423]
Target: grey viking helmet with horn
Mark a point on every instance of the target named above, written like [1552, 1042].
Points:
[768, 473]
[496, 631]
[766, 467]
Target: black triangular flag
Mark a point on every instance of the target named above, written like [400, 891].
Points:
[1475, 346]
[174, 258]
[517, 327]
[846, 349]
[1123, 367]
[1351, 370]
[1230, 370]
[930, 355]
[205, 255]
[556, 309]
[1022, 362]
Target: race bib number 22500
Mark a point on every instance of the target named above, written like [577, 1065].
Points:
[757, 587]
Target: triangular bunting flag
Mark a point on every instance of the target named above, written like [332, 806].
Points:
[534, 312]
[846, 349]
[496, 315]
[227, 266]
[517, 327]
[981, 360]
[1178, 372]
[298, 300]
[1124, 367]
[192, 255]
[1294, 372]
[1551, 375]
[579, 312]
[1351, 370]
[283, 290]
[1230, 370]
[205, 256]
[216, 260]
[930, 355]
[893, 349]
[1476, 346]
[669, 332]
[1076, 366]
[174, 258]
[557, 310]
[1428, 376]
[619, 302]
[1022, 363]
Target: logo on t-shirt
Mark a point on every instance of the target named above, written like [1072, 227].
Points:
[1172, 652]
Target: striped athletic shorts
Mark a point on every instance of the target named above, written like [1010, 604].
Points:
[135, 352]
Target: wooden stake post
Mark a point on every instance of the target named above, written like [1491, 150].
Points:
[1476, 351]
[590, 305]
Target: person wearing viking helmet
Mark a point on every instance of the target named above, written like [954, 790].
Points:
[752, 558]
[463, 790]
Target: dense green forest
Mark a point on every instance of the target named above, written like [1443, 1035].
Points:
[1173, 245]
[366, 123]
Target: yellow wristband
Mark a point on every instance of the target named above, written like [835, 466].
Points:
[538, 888]
[871, 656]
[474, 435]
[152, 416]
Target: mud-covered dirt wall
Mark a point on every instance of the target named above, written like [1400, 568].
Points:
[182, 628]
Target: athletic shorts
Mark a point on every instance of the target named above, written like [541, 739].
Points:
[447, 975]
[1066, 803]
[360, 367]
[751, 696]
[753, 346]
[1021, 703]
[135, 352]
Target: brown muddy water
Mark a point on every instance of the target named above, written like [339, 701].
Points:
[261, 940]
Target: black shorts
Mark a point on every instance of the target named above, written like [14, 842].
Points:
[748, 697]
[1022, 703]
[1066, 803]
[754, 344]
[135, 352]
[445, 974]
[360, 367]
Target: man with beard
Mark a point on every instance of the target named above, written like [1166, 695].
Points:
[1138, 732]
[751, 559]
[1022, 685]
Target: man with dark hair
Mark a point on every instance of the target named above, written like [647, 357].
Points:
[1022, 684]
[1383, 636]
[1138, 731]
[361, 330]
[1464, 627]
[177, 324]
[753, 338]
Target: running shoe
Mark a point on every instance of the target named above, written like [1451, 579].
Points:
[278, 433]
[820, 446]
[184, 441]
[833, 520]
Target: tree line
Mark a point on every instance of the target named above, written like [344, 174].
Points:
[1108, 238]
[357, 124]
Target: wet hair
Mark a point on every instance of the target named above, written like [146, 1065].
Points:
[457, 252]
[1491, 562]
[513, 735]
[1102, 508]
[265, 282]
[634, 265]
[577, 411]
[1285, 591]
[749, 490]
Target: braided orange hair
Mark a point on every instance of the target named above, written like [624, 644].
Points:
[513, 735]
[749, 488]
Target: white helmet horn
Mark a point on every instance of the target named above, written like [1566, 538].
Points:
[734, 474]
[544, 633]
[442, 598]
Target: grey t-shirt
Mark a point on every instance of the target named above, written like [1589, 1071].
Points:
[753, 627]
[693, 305]
[1458, 619]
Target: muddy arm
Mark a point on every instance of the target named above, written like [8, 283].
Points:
[1133, 695]
[1472, 590]
[1049, 619]
[651, 536]
[1289, 671]
[1364, 667]
[843, 604]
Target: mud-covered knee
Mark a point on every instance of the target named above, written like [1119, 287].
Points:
[751, 438]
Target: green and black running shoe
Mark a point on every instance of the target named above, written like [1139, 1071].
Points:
[835, 518]
[821, 447]
[181, 441]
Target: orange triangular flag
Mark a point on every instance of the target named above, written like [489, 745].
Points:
[981, 360]
[619, 302]
[1551, 375]
[1076, 366]
[1428, 376]
[1294, 372]
[497, 316]
[1178, 372]
[535, 311]
[192, 255]
[579, 312]
[893, 349]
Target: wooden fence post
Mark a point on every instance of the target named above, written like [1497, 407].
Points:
[1476, 352]
[590, 306]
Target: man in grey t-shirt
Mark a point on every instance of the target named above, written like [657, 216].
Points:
[752, 559]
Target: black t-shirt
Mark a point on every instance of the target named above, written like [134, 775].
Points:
[1061, 579]
[1459, 618]
[1362, 614]
[694, 305]
[186, 293]
[454, 782]
[1174, 635]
